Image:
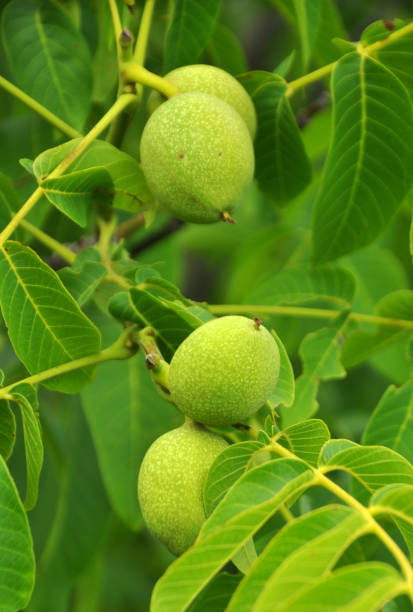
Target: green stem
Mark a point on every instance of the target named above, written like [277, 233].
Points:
[313, 313]
[117, 28]
[121, 103]
[138, 74]
[123, 348]
[39, 109]
[143, 34]
[50, 242]
[324, 71]
[374, 526]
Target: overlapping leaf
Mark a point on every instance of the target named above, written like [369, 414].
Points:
[391, 424]
[373, 466]
[282, 167]
[26, 397]
[81, 517]
[362, 344]
[226, 469]
[398, 56]
[302, 285]
[7, 429]
[284, 391]
[39, 39]
[74, 193]
[129, 190]
[320, 353]
[216, 594]
[17, 566]
[369, 165]
[246, 507]
[305, 549]
[362, 587]
[190, 30]
[396, 500]
[45, 325]
[83, 279]
[305, 439]
[226, 51]
[125, 413]
[171, 321]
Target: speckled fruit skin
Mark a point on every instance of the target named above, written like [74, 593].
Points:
[224, 371]
[171, 481]
[197, 156]
[214, 81]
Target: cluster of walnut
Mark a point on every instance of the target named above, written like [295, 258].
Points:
[223, 372]
[196, 148]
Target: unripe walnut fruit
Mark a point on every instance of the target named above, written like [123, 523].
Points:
[214, 81]
[224, 370]
[197, 156]
[171, 481]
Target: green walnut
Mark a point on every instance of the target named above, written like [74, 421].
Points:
[214, 81]
[224, 370]
[171, 481]
[197, 156]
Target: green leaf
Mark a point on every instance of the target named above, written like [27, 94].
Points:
[27, 165]
[251, 501]
[364, 587]
[368, 168]
[391, 423]
[40, 40]
[75, 192]
[45, 325]
[226, 51]
[7, 430]
[305, 439]
[171, 322]
[282, 167]
[129, 189]
[81, 517]
[217, 593]
[284, 391]
[303, 285]
[320, 354]
[192, 24]
[301, 552]
[125, 414]
[26, 397]
[17, 566]
[362, 344]
[379, 30]
[308, 17]
[398, 58]
[227, 468]
[83, 279]
[396, 500]
[373, 466]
